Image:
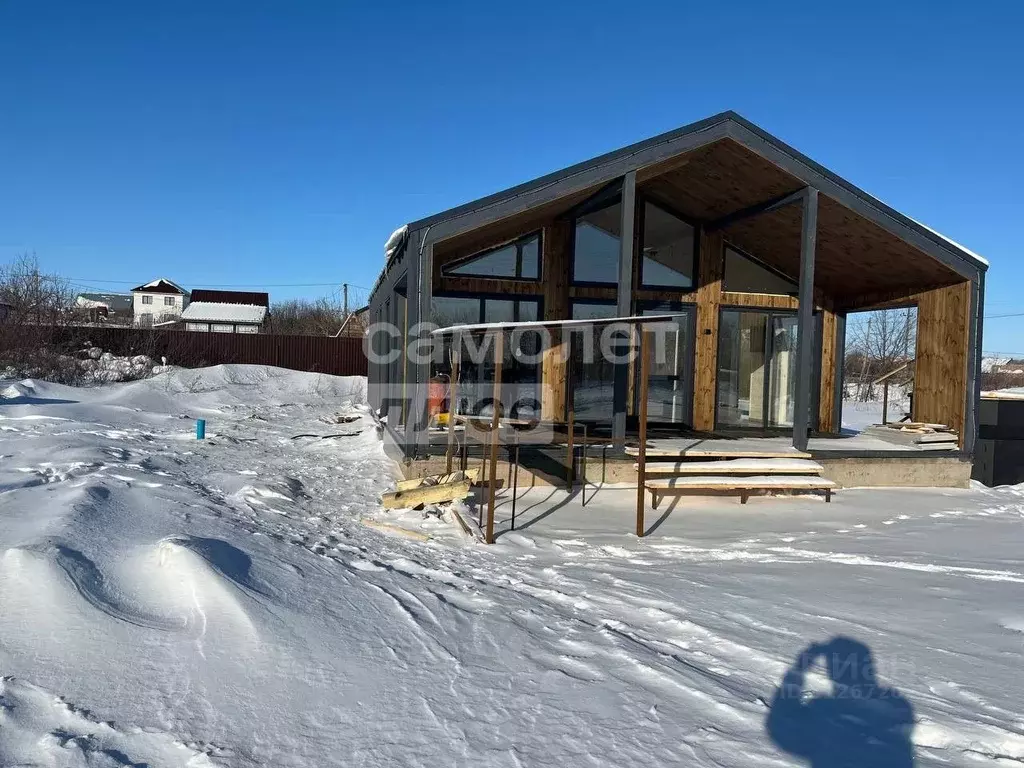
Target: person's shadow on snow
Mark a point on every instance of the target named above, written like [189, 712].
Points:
[861, 724]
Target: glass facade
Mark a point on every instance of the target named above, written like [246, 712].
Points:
[516, 260]
[668, 250]
[520, 394]
[745, 275]
[596, 247]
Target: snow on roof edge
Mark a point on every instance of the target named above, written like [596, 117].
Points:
[394, 242]
[977, 257]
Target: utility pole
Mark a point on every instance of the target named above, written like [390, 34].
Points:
[344, 289]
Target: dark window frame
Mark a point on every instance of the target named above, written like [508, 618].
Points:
[519, 242]
[537, 299]
[694, 224]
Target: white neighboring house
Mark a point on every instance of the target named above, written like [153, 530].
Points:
[226, 311]
[158, 301]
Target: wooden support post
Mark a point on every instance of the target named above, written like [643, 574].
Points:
[641, 459]
[492, 476]
[885, 402]
[453, 391]
[805, 321]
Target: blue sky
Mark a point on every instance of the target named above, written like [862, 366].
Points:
[269, 143]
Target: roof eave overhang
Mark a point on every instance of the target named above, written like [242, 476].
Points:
[605, 168]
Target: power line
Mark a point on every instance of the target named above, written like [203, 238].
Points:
[1008, 314]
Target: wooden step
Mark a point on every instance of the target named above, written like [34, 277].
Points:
[765, 482]
[661, 453]
[744, 466]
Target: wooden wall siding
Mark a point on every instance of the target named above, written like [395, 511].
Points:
[827, 392]
[940, 378]
[709, 299]
[556, 244]
[763, 300]
[488, 285]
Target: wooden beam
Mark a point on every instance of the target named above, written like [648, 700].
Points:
[758, 208]
[429, 494]
[805, 321]
[709, 299]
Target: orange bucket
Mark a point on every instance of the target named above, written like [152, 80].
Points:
[437, 395]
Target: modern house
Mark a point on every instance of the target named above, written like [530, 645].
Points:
[756, 251]
[110, 307]
[226, 311]
[158, 301]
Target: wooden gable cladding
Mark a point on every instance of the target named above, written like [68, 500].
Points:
[716, 180]
[940, 377]
[853, 257]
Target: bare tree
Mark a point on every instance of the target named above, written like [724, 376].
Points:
[877, 343]
[320, 317]
[37, 304]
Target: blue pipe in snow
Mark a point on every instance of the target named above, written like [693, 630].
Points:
[200, 429]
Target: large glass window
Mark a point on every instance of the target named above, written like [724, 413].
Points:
[668, 250]
[455, 310]
[744, 275]
[519, 259]
[596, 251]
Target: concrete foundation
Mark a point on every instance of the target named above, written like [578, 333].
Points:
[903, 471]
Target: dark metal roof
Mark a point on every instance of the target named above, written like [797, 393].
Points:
[256, 298]
[726, 125]
[161, 285]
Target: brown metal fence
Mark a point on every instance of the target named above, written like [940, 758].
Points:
[320, 354]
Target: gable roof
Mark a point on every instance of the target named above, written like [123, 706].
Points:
[727, 125]
[160, 285]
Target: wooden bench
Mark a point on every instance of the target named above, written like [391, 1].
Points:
[680, 486]
[745, 466]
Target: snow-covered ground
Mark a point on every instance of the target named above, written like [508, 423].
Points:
[169, 602]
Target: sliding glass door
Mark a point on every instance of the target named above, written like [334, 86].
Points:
[756, 369]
